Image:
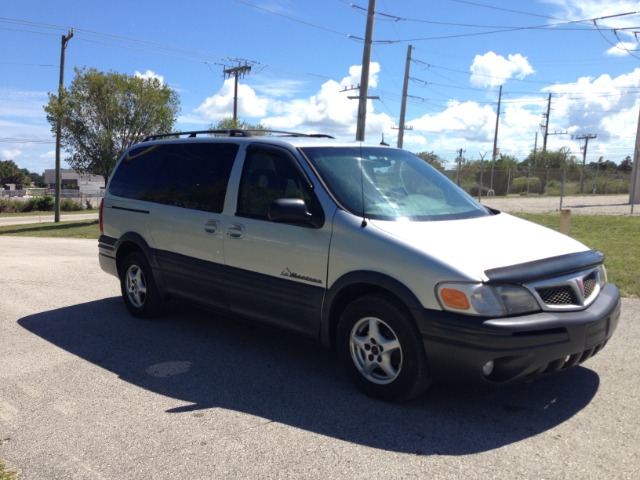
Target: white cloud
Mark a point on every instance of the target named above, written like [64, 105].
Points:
[150, 75]
[622, 49]
[10, 154]
[490, 69]
[467, 120]
[220, 105]
[573, 10]
[585, 105]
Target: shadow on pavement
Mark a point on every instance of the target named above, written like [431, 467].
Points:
[210, 360]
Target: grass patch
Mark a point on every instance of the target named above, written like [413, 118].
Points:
[40, 213]
[615, 236]
[6, 474]
[68, 229]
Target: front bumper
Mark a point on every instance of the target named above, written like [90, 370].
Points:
[458, 346]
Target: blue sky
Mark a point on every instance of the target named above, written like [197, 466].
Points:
[306, 55]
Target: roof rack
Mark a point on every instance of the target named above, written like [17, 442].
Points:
[235, 133]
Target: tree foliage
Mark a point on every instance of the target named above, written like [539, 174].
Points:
[11, 173]
[102, 114]
[432, 159]
[626, 165]
[229, 123]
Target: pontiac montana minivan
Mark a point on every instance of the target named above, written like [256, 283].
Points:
[365, 248]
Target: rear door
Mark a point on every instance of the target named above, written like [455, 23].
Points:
[278, 271]
[186, 217]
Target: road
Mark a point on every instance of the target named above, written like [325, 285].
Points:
[88, 392]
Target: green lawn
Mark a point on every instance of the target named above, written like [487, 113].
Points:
[618, 237]
[42, 214]
[66, 229]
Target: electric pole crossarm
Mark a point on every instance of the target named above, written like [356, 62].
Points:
[236, 72]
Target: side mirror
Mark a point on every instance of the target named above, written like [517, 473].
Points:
[293, 210]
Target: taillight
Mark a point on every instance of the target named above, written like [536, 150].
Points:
[100, 216]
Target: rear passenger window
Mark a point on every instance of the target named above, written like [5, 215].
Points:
[187, 175]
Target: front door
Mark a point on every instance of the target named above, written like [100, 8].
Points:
[278, 271]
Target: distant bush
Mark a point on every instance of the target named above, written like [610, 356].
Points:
[45, 203]
[70, 205]
[519, 185]
[7, 207]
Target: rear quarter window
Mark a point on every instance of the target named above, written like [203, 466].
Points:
[187, 175]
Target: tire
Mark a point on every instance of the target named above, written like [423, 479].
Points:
[138, 287]
[381, 349]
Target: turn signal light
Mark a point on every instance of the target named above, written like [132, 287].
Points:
[455, 299]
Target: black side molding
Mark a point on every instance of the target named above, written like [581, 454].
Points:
[135, 210]
[546, 268]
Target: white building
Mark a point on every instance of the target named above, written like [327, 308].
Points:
[69, 178]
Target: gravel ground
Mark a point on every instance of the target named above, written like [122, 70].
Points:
[584, 204]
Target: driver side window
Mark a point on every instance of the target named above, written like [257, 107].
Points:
[268, 175]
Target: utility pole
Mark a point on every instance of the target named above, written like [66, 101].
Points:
[634, 195]
[482, 154]
[546, 125]
[459, 160]
[65, 40]
[586, 139]
[495, 138]
[533, 161]
[403, 106]
[364, 76]
[236, 72]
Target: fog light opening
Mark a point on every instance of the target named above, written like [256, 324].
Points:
[487, 368]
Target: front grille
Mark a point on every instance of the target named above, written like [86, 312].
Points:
[563, 295]
[590, 283]
[574, 291]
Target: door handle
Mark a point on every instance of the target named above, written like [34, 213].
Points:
[235, 230]
[212, 226]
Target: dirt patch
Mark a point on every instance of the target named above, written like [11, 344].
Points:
[578, 204]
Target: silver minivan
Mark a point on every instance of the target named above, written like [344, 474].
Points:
[365, 248]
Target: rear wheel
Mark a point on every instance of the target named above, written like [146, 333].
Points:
[381, 349]
[138, 287]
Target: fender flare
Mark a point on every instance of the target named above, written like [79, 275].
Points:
[353, 285]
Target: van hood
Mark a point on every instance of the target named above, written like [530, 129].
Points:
[473, 246]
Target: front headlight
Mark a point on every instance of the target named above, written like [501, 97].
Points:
[486, 300]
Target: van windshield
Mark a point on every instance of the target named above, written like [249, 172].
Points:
[390, 184]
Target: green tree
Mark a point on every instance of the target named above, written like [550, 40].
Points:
[102, 114]
[626, 165]
[37, 179]
[229, 123]
[11, 173]
[603, 165]
[543, 163]
[432, 159]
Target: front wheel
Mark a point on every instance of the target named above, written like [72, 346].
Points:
[138, 287]
[381, 349]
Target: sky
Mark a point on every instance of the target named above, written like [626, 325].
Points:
[305, 59]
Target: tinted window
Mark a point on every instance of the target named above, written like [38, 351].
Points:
[268, 175]
[188, 175]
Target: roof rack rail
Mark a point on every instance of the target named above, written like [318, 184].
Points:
[235, 133]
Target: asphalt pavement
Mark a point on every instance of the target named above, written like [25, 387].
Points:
[88, 392]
